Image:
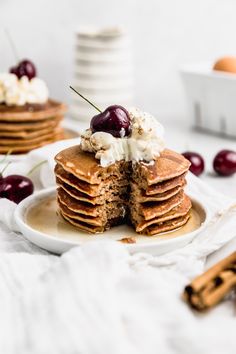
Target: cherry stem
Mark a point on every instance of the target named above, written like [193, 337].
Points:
[99, 110]
[6, 156]
[4, 168]
[12, 44]
[36, 167]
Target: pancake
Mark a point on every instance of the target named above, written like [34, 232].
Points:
[110, 213]
[114, 195]
[25, 141]
[30, 126]
[152, 209]
[26, 148]
[92, 228]
[31, 112]
[27, 134]
[167, 225]
[93, 198]
[168, 165]
[73, 215]
[142, 197]
[179, 211]
[85, 167]
[78, 206]
[82, 225]
[91, 190]
[165, 186]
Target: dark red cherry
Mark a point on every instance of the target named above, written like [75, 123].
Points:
[27, 68]
[114, 120]
[197, 162]
[14, 70]
[15, 187]
[24, 68]
[225, 163]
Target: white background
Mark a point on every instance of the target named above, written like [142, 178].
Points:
[166, 35]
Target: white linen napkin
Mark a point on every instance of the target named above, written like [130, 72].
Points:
[99, 299]
[92, 300]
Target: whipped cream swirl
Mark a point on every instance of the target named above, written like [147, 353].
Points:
[17, 92]
[144, 144]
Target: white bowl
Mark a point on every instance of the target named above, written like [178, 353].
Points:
[38, 221]
[211, 98]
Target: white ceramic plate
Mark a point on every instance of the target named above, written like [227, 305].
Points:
[40, 223]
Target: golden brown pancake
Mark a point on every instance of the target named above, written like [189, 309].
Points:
[27, 141]
[162, 187]
[179, 211]
[27, 127]
[78, 206]
[154, 209]
[92, 190]
[82, 225]
[85, 167]
[26, 148]
[168, 165]
[74, 193]
[31, 112]
[30, 126]
[93, 198]
[28, 134]
[85, 218]
[167, 225]
[142, 197]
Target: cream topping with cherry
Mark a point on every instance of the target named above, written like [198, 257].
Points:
[16, 91]
[117, 134]
[21, 86]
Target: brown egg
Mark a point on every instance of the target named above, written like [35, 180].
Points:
[227, 64]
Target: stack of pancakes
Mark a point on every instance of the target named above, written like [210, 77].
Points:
[24, 128]
[91, 197]
[150, 196]
[157, 199]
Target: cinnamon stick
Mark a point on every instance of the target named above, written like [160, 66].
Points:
[211, 287]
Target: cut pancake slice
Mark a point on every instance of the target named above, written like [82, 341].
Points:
[154, 209]
[141, 197]
[76, 194]
[85, 167]
[82, 225]
[167, 166]
[165, 186]
[112, 196]
[85, 208]
[93, 190]
[167, 225]
[79, 206]
[181, 210]
[84, 218]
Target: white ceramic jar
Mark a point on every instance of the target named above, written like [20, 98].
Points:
[103, 70]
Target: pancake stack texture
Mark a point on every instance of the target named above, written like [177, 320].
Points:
[148, 195]
[23, 128]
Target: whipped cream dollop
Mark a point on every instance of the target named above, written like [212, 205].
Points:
[145, 142]
[17, 92]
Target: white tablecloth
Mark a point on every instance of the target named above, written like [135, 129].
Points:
[99, 299]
